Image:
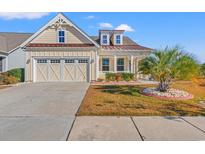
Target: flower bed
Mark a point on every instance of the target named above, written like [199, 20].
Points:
[170, 94]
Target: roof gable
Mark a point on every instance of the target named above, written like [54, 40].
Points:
[58, 20]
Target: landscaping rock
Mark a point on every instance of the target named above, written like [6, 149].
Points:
[171, 93]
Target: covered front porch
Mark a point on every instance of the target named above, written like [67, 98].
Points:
[118, 62]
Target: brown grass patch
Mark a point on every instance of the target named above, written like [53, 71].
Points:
[127, 101]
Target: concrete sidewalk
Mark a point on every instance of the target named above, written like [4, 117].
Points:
[107, 128]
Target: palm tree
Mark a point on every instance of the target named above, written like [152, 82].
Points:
[167, 65]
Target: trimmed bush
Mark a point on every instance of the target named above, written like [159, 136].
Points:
[18, 73]
[128, 76]
[110, 76]
[119, 76]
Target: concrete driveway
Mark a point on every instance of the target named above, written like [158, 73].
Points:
[39, 111]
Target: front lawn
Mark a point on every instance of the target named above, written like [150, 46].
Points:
[127, 101]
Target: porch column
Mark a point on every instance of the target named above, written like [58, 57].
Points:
[136, 69]
[115, 63]
[132, 62]
[97, 66]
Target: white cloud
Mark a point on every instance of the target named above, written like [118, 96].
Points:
[22, 15]
[105, 25]
[90, 17]
[125, 27]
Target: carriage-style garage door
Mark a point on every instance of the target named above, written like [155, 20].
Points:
[61, 70]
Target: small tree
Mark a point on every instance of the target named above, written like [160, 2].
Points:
[167, 65]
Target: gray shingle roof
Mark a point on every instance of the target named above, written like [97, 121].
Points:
[10, 40]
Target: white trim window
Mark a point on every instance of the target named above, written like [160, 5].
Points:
[118, 40]
[120, 64]
[105, 64]
[105, 39]
[61, 36]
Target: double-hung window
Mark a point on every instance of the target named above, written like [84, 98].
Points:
[104, 39]
[118, 39]
[105, 64]
[61, 36]
[120, 64]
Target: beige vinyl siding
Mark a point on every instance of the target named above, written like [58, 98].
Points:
[72, 39]
[47, 36]
[112, 39]
[50, 35]
[30, 55]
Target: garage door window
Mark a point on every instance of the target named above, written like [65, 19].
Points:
[55, 61]
[41, 61]
[69, 61]
[82, 61]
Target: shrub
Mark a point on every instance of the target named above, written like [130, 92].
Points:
[128, 76]
[100, 79]
[9, 80]
[18, 73]
[1, 79]
[118, 77]
[5, 78]
[110, 76]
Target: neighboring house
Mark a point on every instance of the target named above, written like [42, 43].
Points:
[11, 55]
[61, 51]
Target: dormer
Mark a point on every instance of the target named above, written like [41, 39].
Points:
[104, 37]
[117, 37]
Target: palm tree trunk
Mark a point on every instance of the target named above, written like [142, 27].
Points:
[163, 86]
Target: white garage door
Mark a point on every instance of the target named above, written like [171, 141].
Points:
[61, 70]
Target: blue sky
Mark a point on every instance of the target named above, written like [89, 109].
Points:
[155, 30]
